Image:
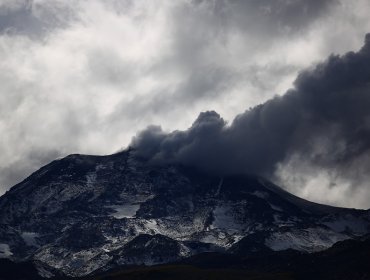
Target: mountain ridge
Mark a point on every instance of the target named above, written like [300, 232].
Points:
[82, 213]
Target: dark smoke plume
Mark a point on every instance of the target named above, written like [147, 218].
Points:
[325, 119]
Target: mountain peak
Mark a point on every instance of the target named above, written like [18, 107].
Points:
[85, 213]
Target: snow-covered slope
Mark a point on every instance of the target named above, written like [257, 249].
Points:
[82, 214]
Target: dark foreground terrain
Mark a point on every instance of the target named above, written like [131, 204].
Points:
[346, 260]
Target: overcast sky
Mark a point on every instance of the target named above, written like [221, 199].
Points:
[87, 76]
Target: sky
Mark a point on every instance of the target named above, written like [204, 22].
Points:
[263, 87]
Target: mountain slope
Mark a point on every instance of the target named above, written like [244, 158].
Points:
[344, 260]
[83, 214]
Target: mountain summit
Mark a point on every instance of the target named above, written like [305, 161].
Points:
[83, 214]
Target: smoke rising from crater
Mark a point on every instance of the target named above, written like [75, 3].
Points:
[324, 120]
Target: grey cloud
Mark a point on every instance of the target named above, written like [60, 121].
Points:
[201, 85]
[33, 19]
[14, 172]
[18, 18]
[268, 18]
[200, 35]
[84, 76]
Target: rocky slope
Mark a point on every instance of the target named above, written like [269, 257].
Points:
[85, 214]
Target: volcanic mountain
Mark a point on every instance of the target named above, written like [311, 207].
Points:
[83, 214]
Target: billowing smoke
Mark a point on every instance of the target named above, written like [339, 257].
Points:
[323, 120]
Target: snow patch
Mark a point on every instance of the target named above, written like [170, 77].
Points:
[260, 194]
[5, 251]
[91, 178]
[30, 238]
[152, 225]
[224, 219]
[346, 223]
[309, 240]
[124, 211]
[209, 238]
